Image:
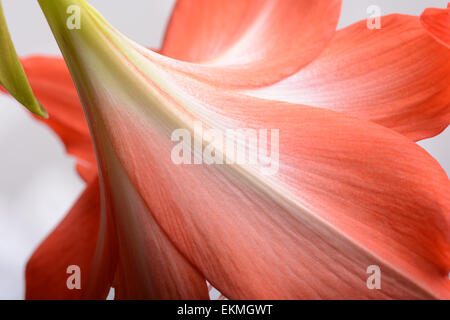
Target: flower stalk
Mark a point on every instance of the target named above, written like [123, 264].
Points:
[12, 74]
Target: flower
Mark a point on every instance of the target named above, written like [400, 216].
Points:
[436, 21]
[352, 190]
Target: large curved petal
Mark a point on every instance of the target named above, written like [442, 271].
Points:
[437, 23]
[72, 243]
[149, 266]
[51, 81]
[53, 86]
[250, 42]
[347, 194]
[397, 76]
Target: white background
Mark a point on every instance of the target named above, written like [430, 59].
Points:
[38, 183]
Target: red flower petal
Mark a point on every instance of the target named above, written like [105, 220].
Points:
[73, 242]
[149, 266]
[397, 76]
[349, 194]
[251, 42]
[437, 23]
[53, 86]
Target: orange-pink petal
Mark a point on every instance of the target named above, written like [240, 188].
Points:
[437, 23]
[72, 243]
[348, 194]
[149, 266]
[53, 86]
[250, 42]
[397, 76]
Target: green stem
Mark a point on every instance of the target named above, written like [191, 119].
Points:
[12, 74]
